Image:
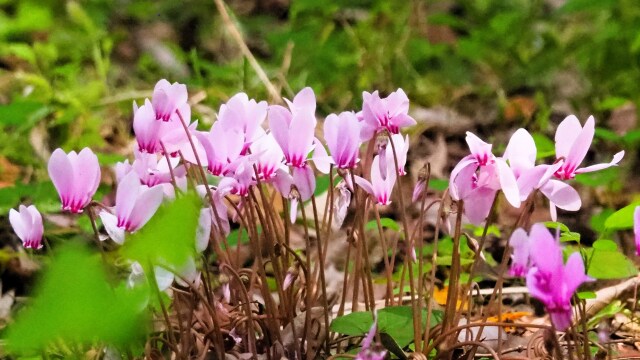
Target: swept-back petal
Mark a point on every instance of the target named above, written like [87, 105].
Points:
[566, 134]
[508, 183]
[581, 144]
[616, 159]
[521, 151]
[61, 174]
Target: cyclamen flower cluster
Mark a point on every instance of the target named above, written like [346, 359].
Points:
[538, 256]
[238, 149]
[477, 178]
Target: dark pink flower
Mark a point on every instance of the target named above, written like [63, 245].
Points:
[551, 281]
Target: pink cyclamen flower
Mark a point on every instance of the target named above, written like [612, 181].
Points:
[222, 146]
[75, 176]
[167, 98]
[636, 228]
[477, 178]
[390, 113]
[572, 144]
[294, 128]
[551, 281]
[155, 170]
[380, 186]
[521, 154]
[268, 157]
[401, 144]
[149, 131]
[342, 135]
[368, 350]
[135, 205]
[245, 116]
[27, 224]
[520, 242]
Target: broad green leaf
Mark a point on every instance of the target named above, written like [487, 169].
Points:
[74, 303]
[607, 264]
[395, 321]
[597, 220]
[169, 237]
[384, 222]
[605, 245]
[621, 219]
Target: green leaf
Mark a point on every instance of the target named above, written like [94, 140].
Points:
[570, 236]
[385, 222]
[74, 303]
[395, 321]
[169, 237]
[621, 219]
[438, 184]
[607, 264]
[585, 295]
[605, 245]
[553, 225]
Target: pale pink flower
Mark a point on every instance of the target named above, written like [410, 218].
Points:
[167, 98]
[342, 135]
[477, 178]
[268, 156]
[401, 145]
[549, 280]
[380, 186]
[341, 203]
[294, 128]
[75, 176]
[222, 146]
[572, 144]
[521, 154]
[390, 113]
[155, 170]
[239, 179]
[27, 224]
[135, 205]
[149, 131]
[521, 244]
[245, 116]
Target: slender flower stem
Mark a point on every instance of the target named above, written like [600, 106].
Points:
[323, 282]
[309, 285]
[222, 255]
[417, 321]
[387, 267]
[421, 239]
[432, 276]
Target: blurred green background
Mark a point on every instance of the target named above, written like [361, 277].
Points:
[69, 70]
